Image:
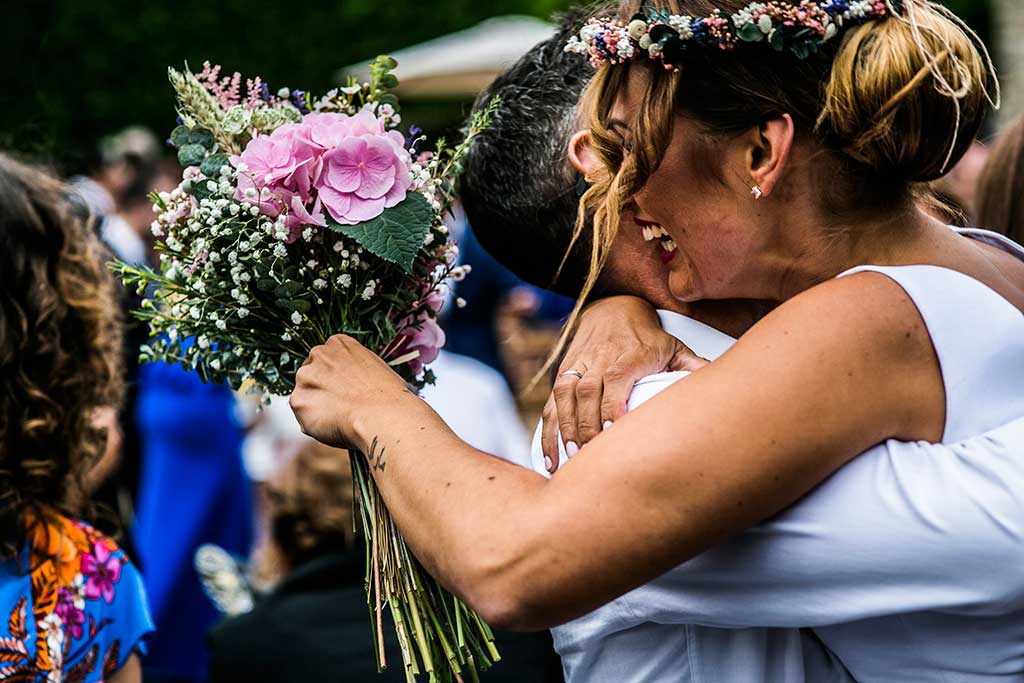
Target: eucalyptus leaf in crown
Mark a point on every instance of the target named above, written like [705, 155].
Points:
[298, 218]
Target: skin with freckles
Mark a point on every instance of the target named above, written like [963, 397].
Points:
[839, 366]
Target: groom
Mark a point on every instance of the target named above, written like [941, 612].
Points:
[520, 191]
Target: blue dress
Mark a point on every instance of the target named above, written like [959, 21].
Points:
[192, 490]
[72, 607]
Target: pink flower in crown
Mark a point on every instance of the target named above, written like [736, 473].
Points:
[102, 569]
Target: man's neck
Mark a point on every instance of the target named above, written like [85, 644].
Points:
[732, 316]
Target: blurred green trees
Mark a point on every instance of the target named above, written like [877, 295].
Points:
[76, 70]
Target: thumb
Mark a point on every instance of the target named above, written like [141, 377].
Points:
[685, 359]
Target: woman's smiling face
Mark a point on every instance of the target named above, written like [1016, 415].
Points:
[698, 196]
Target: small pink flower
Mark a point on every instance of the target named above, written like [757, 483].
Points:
[427, 338]
[102, 570]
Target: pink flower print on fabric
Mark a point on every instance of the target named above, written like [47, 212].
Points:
[70, 614]
[102, 570]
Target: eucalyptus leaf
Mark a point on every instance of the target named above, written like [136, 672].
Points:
[750, 33]
[191, 155]
[388, 81]
[201, 136]
[212, 164]
[397, 234]
[179, 136]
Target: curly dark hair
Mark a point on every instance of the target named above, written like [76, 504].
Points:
[60, 343]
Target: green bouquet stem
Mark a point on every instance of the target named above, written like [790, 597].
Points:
[438, 634]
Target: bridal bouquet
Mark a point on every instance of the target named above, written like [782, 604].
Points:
[298, 218]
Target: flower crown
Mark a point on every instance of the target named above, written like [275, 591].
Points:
[799, 29]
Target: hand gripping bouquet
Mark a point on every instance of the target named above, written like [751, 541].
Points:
[298, 218]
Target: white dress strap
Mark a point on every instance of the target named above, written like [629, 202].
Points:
[978, 338]
[993, 238]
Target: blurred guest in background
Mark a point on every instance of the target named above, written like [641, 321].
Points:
[1000, 194]
[72, 606]
[192, 491]
[126, 170]
[314, 624]
[127, 163]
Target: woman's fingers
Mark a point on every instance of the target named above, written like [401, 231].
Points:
[549, 434]
[618, 385]
[589, 392]
[564, 393]
[685, 359]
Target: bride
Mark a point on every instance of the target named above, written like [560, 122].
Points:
[780, 174]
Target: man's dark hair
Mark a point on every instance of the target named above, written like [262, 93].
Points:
[518, 188]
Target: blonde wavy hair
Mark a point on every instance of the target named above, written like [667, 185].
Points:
[60, 350]
[893, 104]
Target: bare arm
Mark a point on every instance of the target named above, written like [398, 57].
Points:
[131, 672]
[833, 372]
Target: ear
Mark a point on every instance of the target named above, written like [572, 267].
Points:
[581, 154]
[769, 152]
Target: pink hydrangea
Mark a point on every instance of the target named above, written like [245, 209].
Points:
[349, 166]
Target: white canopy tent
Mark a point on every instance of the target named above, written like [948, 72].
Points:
[460, 65]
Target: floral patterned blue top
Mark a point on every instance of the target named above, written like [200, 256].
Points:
[74, 605]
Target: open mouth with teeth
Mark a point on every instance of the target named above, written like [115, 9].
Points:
[653, 231]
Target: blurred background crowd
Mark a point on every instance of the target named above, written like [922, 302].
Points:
[216, 501]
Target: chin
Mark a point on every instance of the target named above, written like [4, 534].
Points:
[682, 288]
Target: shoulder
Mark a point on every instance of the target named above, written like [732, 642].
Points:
[868, 314]
[855, 344]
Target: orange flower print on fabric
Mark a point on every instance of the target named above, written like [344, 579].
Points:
[71, 565]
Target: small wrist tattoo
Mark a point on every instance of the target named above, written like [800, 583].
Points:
[376, 456]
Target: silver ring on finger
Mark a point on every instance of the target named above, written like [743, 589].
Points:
[572, 373]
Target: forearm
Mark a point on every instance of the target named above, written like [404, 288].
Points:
[438, 489]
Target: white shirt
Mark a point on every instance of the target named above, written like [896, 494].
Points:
[475, 402]
[909, 559]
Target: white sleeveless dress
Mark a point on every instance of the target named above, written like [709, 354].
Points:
[908, 562]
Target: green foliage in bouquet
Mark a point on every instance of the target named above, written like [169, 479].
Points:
[298, 218]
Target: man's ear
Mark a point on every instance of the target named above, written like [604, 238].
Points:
[771, 143]
[581, 154]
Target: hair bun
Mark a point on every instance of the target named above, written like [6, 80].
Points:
[907, 95]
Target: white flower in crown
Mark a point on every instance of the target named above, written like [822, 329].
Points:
[682, 23]
[858, 9]
[576, 46]
[590, 31]
[625, 48]
[746, 15]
